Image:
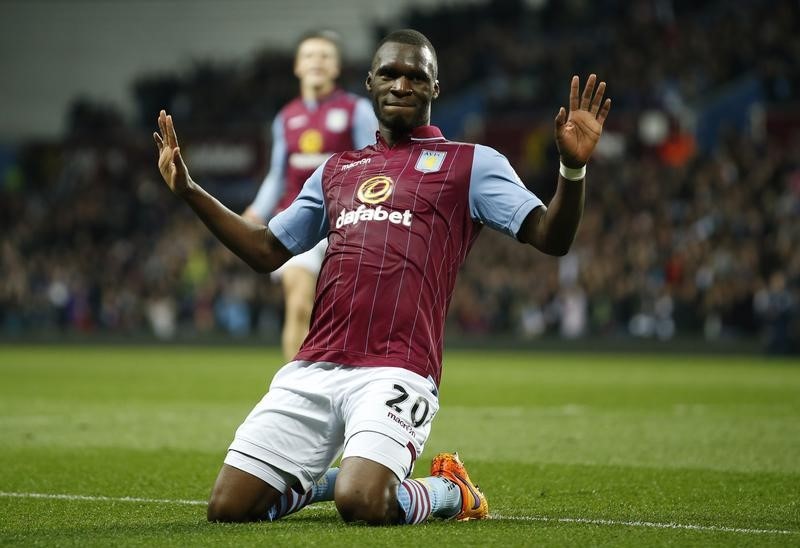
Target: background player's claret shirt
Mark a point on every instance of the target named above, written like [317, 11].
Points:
[400, 221]
[312, 133]
[304, 135]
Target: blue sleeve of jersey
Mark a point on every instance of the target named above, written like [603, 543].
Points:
[497, 196]
[304, 223]
[271, 190]
[364, 124]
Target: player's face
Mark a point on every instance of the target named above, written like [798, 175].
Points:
[402, 84]
[317, 62]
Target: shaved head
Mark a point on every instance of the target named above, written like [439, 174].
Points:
[413, 38]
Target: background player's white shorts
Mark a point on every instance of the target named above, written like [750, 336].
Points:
[311, 260]
[314, 410]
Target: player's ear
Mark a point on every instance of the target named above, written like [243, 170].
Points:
[435, 89]
[368, 82]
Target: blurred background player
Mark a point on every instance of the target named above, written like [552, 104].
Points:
[324, 119]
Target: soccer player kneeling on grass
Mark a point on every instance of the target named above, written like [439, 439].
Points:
[400, 217]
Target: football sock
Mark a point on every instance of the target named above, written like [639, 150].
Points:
[445, 497]
[293, 501]
[289, 503]
[425, 497]
[414, 500]
[323, 489]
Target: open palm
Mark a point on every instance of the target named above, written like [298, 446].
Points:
[170, 164]
[578, 130]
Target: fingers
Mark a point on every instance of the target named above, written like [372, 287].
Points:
[172, 137]
[573, 93]
[167, 137]
[162, 123]
[586, 98]
[167, 127]
[590, 99]
[598, 98]
[561, 117]
[601, 116]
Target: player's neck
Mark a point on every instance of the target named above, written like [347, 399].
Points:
[393, 136]
[316, 93]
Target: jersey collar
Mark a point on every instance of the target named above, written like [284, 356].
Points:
[420, 134]
[426, 133]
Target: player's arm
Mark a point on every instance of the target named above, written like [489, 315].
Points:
[552, 229]
[274, 184]
[253, 243]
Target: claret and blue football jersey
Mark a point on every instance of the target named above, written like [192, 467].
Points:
[304, 135]
[400, 222]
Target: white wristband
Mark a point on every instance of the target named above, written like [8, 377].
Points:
[572, 173]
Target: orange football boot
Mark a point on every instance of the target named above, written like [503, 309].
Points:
[473, 501]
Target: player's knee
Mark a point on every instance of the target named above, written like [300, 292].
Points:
[374, 506]
[226, 509]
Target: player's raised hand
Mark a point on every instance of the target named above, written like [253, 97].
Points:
[170, 163]
[578, 130]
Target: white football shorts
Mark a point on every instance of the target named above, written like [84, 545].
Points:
[311, 260]
[316, 411]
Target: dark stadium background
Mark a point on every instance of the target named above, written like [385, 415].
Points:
[691, 229]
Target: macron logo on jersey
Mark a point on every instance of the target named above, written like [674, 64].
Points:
[351, 165]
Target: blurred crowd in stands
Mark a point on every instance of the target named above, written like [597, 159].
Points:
[687, 231]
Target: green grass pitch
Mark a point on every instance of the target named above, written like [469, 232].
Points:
[571, 450]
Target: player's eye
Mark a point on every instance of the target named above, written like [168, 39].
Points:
[419, 77]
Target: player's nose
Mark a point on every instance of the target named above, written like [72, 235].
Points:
[402, 87]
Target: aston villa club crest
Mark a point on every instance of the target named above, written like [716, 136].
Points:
[430, 161]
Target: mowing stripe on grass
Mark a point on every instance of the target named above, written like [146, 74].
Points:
[587, 521]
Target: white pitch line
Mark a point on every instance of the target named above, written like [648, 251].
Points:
[650, 524]
[100, 498]
[587, 521]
